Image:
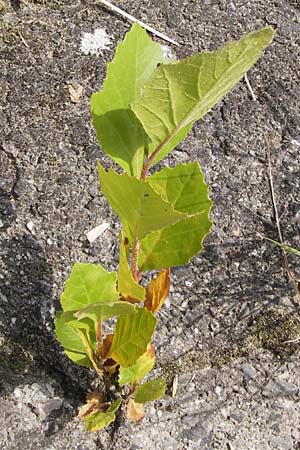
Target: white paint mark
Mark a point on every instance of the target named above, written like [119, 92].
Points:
[94, 43]
[168, 52]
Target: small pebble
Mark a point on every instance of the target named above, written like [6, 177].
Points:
[30, 226]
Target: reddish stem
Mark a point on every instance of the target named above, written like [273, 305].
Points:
[135, 253]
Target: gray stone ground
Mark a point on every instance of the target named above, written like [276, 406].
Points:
[231, 310]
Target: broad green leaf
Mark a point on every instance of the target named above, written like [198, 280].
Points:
[118, 130]
[132, 336]
[67, 336]
[129, 289]
[150, 391]
[97, 421]
[104, 311]
[174, 245]
[70, 340]
[178, 94]
[136, 203]
[88, 284]
[285, 247]
[133, 374]
[69, 318]
[185, 188]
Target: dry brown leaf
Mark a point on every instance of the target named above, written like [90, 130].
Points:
[157, 291]
[94, 403]
[135, 411]
[75, 91]
[104, 347]
[129, 299]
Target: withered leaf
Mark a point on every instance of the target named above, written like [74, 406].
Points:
[94, 403]
[157, 291]
[135, 411]
[104, 347]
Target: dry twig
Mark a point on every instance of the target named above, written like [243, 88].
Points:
[133, 19]
[285, 259]
[249, 87]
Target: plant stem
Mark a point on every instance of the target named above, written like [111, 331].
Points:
[99, 334]
[149, 161]
[135, 253]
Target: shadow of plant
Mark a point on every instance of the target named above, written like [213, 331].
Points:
[28, 349]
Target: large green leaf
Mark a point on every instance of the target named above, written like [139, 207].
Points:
[88, 284]
[104, 311]
[178, 94]
[133, 374]
[150, 391]
[136, 203]
[70, 340]
[127, 286]
[132, 336]
[118, 130]
[97, 421]
[184, 187]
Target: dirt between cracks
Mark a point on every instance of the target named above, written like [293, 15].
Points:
[232, 310]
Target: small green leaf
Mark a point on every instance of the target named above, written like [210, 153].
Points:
[115, 406]
[185, 188]
[66, 335]
[88, 284]
[136, 203]
[118, 130]
[135, 373]
[78, 358]
[132, 336]
[104, 311]
[285, 247]
[127, 286]
[70, 340]
[88, 345]
[97, 421]
[178, 94]
[150, 391]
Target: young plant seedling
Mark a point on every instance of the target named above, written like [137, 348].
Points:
[146, 107]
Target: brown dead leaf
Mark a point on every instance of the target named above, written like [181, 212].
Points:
[75, 91]
[104, 347]
[135, 411]
[157, 291]
[94, 403]
[110, 366]
[129, 299]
